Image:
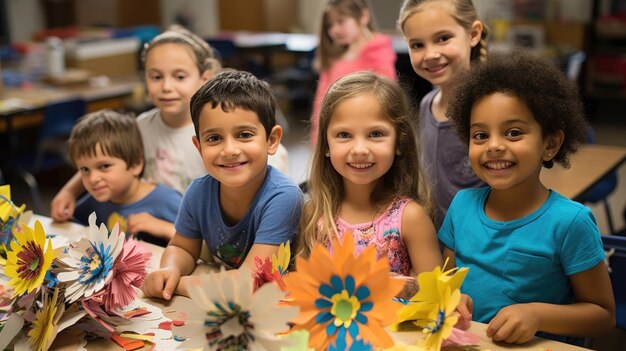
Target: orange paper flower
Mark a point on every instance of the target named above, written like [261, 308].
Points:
[343, 298]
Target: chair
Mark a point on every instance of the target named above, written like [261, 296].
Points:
[601, 191]
[51, 146]
[616, 257]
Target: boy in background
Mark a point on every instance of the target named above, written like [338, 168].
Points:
[243, 208]
[108, 152]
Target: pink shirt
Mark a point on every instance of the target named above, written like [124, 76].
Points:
[377, 56]
[384, 233]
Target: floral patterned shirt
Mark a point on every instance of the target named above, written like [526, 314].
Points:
[384, 233]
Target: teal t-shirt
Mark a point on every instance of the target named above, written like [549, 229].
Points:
[525, 260]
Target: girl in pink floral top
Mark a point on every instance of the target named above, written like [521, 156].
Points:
[365, 176]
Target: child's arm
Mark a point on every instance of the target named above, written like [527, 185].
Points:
[179, 259]
[64, 202]
[420, 238]
[418, 234]
[592, 314]
[144, 222]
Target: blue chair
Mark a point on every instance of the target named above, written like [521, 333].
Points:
[616, 249]
[601, 191]
[51, 149]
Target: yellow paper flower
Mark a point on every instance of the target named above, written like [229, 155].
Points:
[441, 321]
[432, 287]
[343, 298]
[29, 259]
[40, 337]
[280, 264]
[7, 208]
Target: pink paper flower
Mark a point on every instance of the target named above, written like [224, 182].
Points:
[129, 272]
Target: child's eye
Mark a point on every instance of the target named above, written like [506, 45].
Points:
[444, 38]
[343, 135]
[104, 167]
[154, 77]
[514, 133]
[213, 138]
[416, 46]
[181, 77]
[83, 170]
[377, 134]
[479, 136]
[246, 135]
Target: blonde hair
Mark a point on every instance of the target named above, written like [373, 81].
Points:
[326, 190]
[463, 12]
[327, 51]
[205, 56]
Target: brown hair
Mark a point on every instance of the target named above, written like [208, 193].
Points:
[463, 12]
[116, 133]
[326, 190]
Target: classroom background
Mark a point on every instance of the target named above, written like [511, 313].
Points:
[95, 60]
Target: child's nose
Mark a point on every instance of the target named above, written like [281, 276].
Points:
[495, 144]
[360, 147]
[230, 148]
[432, 52]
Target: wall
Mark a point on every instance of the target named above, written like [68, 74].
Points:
[203, 13]
[25, 18]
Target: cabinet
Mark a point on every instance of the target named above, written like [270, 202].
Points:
[118, 13]
[607, 52]
[258, 15]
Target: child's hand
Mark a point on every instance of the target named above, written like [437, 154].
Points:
[513, 324]
[161, 283]
[410, 286]
[464, 309]
[142, 222]
[62, 206]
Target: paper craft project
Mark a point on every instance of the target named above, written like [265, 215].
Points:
[9, 219]
[101, 273]
[238, 318]
[433, 307]
[29, 259]
[272, 269]
[345, 300]
[89, 264]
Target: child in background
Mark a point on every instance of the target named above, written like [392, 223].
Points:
[444, 37]
[176, 63]
[535, 257]
[365, 177]
[348, 44]
[243, 208]
[107, 150]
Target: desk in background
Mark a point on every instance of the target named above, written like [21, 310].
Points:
[27, 113]
[587, 167]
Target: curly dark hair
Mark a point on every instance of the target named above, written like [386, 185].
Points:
[537, 81]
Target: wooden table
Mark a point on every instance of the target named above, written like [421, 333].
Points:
[184, 308]
[588, 166]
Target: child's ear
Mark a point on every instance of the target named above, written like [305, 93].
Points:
[196, 143]
[476, 33]
[552, 144]
[276, 135]
[365, 17]
[137, 168]
[206, 76]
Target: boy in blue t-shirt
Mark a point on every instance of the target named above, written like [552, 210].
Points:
[243, 208]
[107, 150]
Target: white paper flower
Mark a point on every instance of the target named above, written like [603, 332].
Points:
[89, 263]
[238, 318]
